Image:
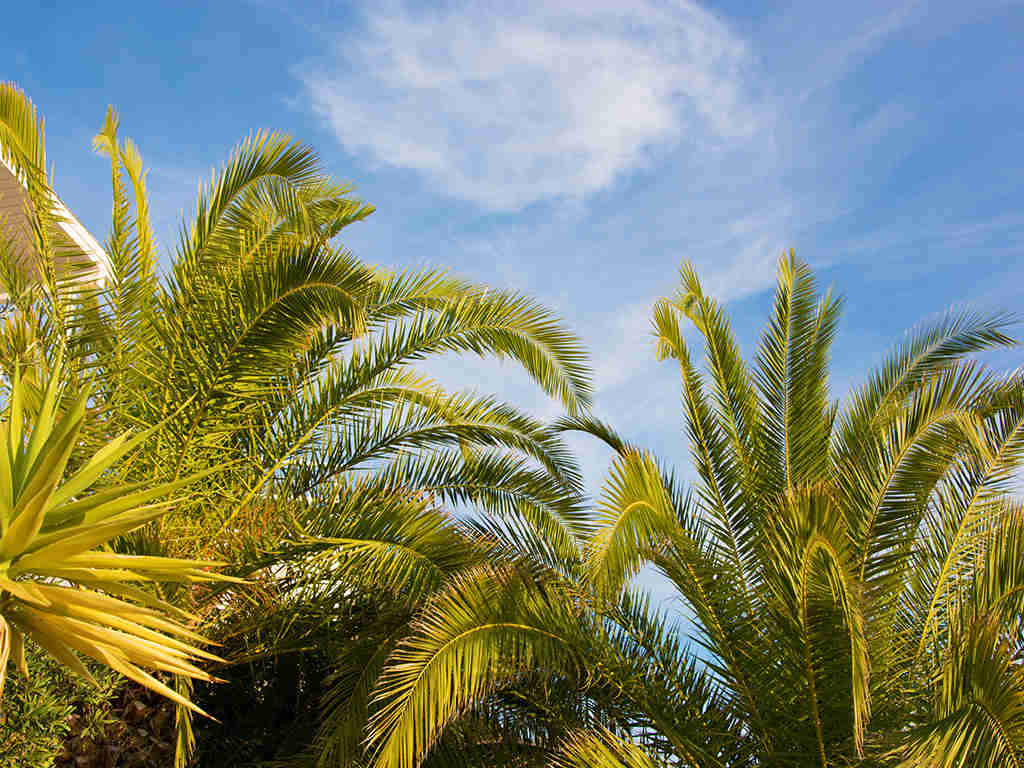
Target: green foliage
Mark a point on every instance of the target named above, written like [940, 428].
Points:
[41, 712]
[601, 749]
[851, 574]
[56, 719]
[58, 585]
[424, 583]
[276, 357]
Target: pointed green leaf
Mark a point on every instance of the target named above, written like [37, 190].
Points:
[6, 482]
[107, 503]
[45, 419]
[24, 590]
[50, 641]
[18, 651]
[29, 513]
[84, 537]
[15, 419]
[100, 462]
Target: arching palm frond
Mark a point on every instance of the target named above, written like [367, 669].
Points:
[470, 638]
[22, 137]
[601, 749]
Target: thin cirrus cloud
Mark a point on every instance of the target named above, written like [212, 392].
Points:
[505, 106]
[752, 138]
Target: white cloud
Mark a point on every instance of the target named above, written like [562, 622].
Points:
[627, 350]
[509, 104]
[752, 146]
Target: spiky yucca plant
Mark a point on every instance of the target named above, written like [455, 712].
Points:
[60, 584]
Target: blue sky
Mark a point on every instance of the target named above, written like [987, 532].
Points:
[581, 152]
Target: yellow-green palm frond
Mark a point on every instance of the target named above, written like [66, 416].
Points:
[970, 498]
[477, 633]
[792, 378]
[270, 184]
[926, 351]
[516, 502]
[811, 569]
[881, 496]
[22, 138]
[46, 270]
[636, 516]
[735, 394]
[127, 327]
[377, 537]
[600, 748]
[979, 717]
[727, 511]
[491, 323]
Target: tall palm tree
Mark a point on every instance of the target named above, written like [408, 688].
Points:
[272, 353]
[850, 578]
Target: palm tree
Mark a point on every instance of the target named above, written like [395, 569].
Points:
[270, 352]
[850, 578]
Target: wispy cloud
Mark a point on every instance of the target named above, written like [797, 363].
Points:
[681, 134]
[508, 104]
[862, 39]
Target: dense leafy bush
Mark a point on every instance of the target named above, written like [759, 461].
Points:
[54, 714]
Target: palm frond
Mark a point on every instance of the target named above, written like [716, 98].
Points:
[792, 360]
[473, 636]
[600, 748]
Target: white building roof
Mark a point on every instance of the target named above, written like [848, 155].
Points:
[14, 204]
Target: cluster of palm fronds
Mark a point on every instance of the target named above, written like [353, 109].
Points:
[424, 583]
[851, 577]
[282, 369]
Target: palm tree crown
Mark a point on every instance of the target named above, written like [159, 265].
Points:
[850, 576]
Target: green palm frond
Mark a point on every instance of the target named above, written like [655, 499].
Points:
[924, 353]
[264, 163]
[379, 537]
[22, 138]
[635, 516]
[506, 489]
[979, 718]
[471, 637]
[284, 368]
[346, 706]
[127, 331]
[792, 379]
[675, 705]
[600, 748]
[909, 459]
[594, 427]
[504, 324]
[45, 272]
[850, 575]
[719, 467]
[971, 496]
[734, 391]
